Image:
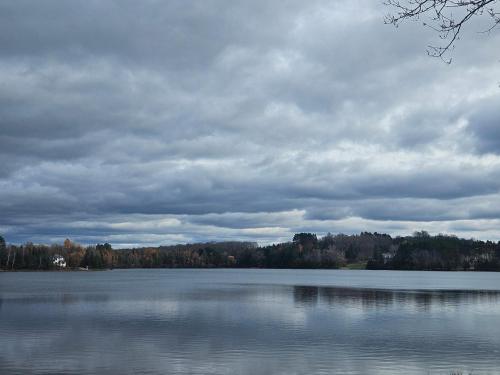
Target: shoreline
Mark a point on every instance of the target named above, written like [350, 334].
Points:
[235, 268]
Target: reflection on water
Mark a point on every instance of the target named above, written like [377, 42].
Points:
[247, 322]
[64, 299]
[377, 298]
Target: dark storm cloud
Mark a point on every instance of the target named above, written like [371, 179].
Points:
[157, 122]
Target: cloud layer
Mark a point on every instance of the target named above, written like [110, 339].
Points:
[165, 122]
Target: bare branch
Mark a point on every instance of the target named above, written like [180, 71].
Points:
[446, 17]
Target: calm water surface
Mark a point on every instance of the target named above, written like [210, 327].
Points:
[249, 322]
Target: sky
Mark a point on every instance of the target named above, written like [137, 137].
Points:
[162, 122]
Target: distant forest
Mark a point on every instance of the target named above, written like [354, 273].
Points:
[420, 251]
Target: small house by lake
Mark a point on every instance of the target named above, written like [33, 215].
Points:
[59, 261]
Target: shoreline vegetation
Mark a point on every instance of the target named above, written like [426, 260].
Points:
[366, 250]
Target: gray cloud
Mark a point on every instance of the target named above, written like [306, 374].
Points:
[484, 124]
[179, 121]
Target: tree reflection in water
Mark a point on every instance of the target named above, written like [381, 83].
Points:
[379, 298]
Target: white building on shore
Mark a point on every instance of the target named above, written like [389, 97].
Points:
[59, 261]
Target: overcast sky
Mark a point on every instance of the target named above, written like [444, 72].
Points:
[159, 122]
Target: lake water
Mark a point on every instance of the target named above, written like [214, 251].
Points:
[223, 321]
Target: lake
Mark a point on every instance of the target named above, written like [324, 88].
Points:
[231, 321]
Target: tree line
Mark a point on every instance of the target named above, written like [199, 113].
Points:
[419, 251]
[442, 252]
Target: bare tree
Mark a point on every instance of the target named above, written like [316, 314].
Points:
[447, 17]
